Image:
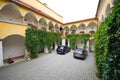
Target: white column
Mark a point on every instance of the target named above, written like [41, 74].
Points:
[87, 46]
[47, 28]
[46, 49]
[91, 45]
[68, 42]
[63, 41]
[56, 46]
[1, 54]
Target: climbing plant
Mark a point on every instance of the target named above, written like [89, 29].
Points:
[85, 38]
[32, 42]
[37, 38]
[107, 46]
[74, 38]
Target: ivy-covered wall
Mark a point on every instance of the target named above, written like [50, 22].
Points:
[107, 46]
[73, 38]
[36, 38]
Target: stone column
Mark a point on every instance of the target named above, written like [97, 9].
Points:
[87, 46]
[68, 42]
[56, 46]
[63, 41]
[1, 54]
[91, 45]
[46, 49]
[47, 28]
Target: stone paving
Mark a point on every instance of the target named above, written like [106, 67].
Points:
[51, 67]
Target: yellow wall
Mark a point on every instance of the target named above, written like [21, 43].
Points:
[4, 1]
[102, 9]
[38, 5]
[7, 29]
[86, 22]
[25, 10]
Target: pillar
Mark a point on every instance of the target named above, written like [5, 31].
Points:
[1, 54]
[47, 28]
[56, 46]
[63, 41]
[87, 46]
[91, 44]
[46, 49]
[68, 42]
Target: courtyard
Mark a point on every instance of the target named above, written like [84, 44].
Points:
[51, 66]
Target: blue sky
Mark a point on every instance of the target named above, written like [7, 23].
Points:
[73, 10]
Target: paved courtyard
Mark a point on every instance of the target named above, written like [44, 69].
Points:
[51, 67]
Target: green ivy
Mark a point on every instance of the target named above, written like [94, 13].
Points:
[32, 42]
[37, 38]
[107, 46]
[84, 38]
[74, 38]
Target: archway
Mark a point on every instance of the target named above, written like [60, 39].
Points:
[10, 13]
[13, 46]
[43, 24]
[51, 27]
[66, 30]
[92, 26]
[57, 29]
[81, 28]
[30, 18]
[73, 29]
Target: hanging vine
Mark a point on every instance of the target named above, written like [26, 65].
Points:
[74, 38]
[36, 38]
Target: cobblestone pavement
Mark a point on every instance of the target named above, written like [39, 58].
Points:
[51, 67]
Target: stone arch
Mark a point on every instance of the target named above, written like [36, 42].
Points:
[73, 29]
[107, 11]
[81, 28]
[43, 24]
[30, 18]
[11, 13]
[51, 26]
[91, 28]
[13, 46]
[57, 29]
[66, 29]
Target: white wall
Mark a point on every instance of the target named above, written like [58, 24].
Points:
[1, 54]
[13, 46]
